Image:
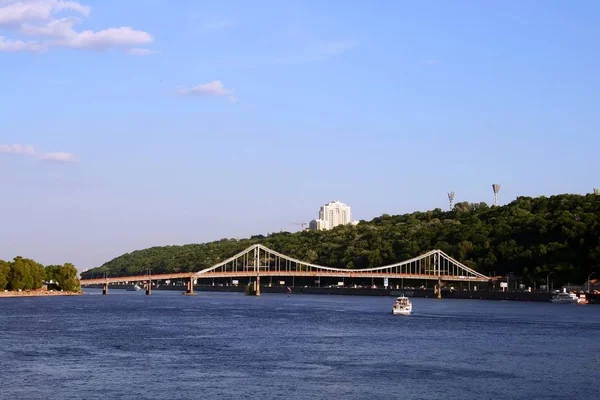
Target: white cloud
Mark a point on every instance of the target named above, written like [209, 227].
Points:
[213, 88]
[36, 18]
[14, 13]
[26, 149]
[12, 46]
[62, 27]
[59, 157]
[29, 150]
[103, 40]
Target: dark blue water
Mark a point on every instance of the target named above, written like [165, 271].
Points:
[168, 346]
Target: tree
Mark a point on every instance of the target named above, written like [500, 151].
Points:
[20, 274]
[311, 256]
[4, 274]
[38, 274]
[67, 278]
[26, 274]
[52, 272]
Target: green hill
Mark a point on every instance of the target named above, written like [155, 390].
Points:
[529, 237]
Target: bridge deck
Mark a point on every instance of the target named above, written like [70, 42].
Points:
[137, 278]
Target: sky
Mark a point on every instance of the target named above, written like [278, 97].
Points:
[130, 124]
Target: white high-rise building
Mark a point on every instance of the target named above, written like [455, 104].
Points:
[331, 215]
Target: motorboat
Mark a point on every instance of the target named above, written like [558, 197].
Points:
[134, 288]
[402, 306]
[565, 298]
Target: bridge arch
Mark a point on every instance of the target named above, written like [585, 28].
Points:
[260, 260]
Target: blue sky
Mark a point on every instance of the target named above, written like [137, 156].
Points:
[128, 124]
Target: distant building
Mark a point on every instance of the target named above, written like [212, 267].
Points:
[318, 225]
[331, 215]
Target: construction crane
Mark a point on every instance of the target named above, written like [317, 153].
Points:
[302, 224]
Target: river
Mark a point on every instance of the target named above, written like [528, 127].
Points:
[229, 346]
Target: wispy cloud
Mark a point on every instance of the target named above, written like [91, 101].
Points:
[26, 149]
[317, 51]
[141, 52]
[211, 23]
[215, 24]
[38, 19]
[30, 151]
[59, 157]
[330, 48]
[213, 88]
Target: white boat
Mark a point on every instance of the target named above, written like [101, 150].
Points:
[402, 306]
[134, 288]
[565, 298]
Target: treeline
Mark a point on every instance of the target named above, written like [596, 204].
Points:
[26, 274]
[529, 237]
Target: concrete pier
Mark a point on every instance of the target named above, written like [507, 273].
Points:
[190, 288]
[438, 289]
[253, 288]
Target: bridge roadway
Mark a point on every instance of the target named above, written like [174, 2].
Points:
[250, 273]
[136, 278]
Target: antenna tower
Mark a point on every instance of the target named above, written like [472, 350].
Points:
[451, 199]
[496, 189]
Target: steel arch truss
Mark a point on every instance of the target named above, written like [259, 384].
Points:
[260, 260]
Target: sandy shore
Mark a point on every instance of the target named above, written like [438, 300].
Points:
[37, 293]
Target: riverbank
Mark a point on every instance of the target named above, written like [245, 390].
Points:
[37, 293]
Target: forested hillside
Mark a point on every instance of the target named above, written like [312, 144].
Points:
[529, 237]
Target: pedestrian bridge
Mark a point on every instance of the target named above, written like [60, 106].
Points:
[260, 261]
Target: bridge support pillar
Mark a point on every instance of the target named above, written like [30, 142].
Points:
[253, 288]
[257, 286]
[149, 288]
[105, 289]
[438, 288]
[190, 287]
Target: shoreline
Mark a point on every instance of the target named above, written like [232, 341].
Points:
[38, 293]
